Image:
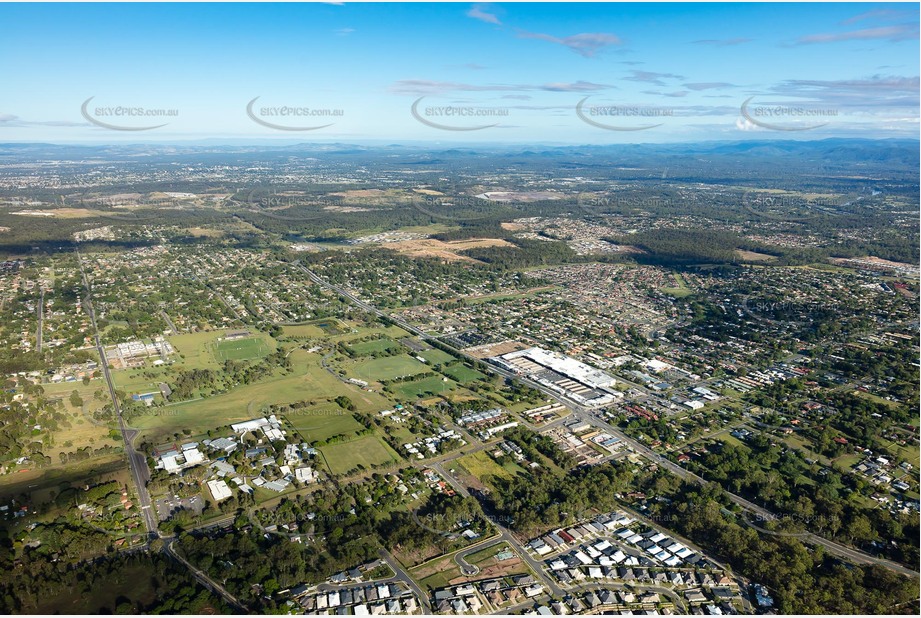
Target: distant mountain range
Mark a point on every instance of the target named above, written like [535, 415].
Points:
[839, 151]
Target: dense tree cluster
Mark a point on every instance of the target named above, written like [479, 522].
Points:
[138, 583]
[802, 581]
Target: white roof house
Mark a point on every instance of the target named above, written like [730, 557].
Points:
[219, 490]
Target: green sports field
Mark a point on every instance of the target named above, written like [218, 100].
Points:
[433, 385]
[241, 349]
[436, 356]
[462, 373]
[308, 382]
[387, 368]
[364, 348]
[209, 349]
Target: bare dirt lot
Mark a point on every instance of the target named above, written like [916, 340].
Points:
[495, 349]
[492, 568]
[752, 256]
[429, 247]
[361, 193]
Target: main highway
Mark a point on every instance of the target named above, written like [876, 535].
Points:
[137, 462]
[586, 414]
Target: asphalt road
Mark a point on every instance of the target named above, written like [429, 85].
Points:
[404, 577]
[202, 577]
[506, 535]
[41, 315]
[137, 462]
[460, 558]
[170, 322]
[586, 414]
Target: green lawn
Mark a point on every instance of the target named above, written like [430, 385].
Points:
[364, 348]
[308, 382]
[387, 368]
[322, 422]
[436, 356]
[316, 328]
[485, 555]
[440, 579]
[848, 461]
[461, 373]
[677, 292]
[241, 349]
[481, 465]
[195, 349]
[302, 330]
[83, 430]
[366, 451]
[434, 385]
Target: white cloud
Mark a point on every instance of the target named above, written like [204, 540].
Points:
[585, 44]
[482, 12]
[432, 87]
[722, 42]
[892, 34]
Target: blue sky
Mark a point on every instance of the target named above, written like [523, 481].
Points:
[651, 72]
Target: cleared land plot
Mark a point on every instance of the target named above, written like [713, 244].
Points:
[388, 368]
[241, 349]
[436, 356]
[495, 349]
[462, 373]
[442, 579]
[442, 572]
[753, 256]
[434, 385]
[430, 247]
[482, 465]
[367, 451]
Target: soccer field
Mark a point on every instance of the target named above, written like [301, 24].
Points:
[434, 385]
[388, 368]
[375, 345]
[462, 373]
[436, 356]
[240, 349]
